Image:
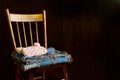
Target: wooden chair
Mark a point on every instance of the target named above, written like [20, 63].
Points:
[24, 23]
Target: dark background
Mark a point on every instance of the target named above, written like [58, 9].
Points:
[89, 30]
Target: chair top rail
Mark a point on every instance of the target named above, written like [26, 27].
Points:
[26, 17]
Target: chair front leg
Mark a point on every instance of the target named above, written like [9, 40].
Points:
[65, 72]
[17, 73]
[43, 74]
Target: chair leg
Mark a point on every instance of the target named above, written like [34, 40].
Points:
[65, 72]
[17, 73]
[30, 76]
[43, 74]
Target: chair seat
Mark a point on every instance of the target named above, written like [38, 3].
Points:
[36, 73]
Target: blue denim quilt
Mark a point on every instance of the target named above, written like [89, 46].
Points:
[53, 56]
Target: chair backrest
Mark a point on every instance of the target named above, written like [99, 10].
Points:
[25, 28]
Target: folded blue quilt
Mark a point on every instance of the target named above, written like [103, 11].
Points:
[52, 57]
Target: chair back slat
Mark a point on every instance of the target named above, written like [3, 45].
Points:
[19, 34]
[27, 29]
[37, 31]
[24, 34]
[31, 33]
